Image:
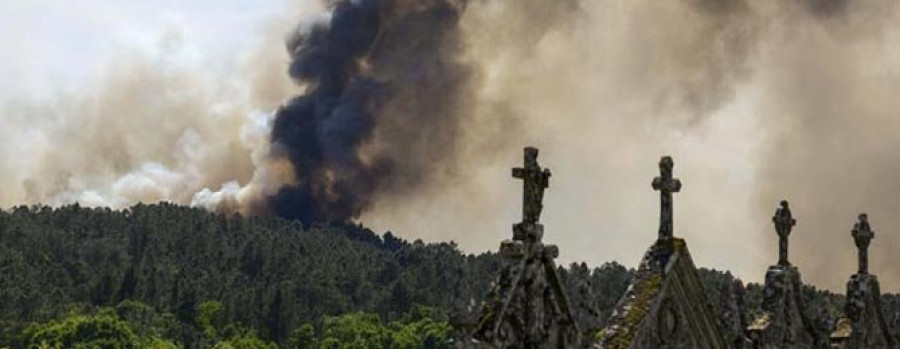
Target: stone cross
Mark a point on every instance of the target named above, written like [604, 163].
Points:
[784, 222]
[862, 235]
[534, 181]
[666, 185]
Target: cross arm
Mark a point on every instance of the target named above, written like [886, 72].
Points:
[672, 185]
[518, 172]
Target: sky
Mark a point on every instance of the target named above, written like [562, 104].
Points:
[110, 102]
[64, 45]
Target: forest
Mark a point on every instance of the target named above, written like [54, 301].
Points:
[169, 276]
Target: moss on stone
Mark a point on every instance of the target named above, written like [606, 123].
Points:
[645, 292]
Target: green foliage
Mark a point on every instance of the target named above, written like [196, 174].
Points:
[247, 339]
[267, 273]
[209, 318]
[201, 279]
[355, 330]
[102, 330]
[422, 327]
[303, 337]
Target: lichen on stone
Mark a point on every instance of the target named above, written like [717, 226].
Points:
[760, 322]
[638, 306]
[843, 329]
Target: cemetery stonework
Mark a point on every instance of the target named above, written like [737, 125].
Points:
[528, 306]
[783, 322]
[666, 304]
[863, 324]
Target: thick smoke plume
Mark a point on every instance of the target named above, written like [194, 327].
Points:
[407, 115]
[385, 84]
[757, 101]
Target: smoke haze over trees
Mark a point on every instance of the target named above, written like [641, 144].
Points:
[171, 274]
[758, 101]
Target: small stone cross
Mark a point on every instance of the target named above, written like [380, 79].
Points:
[666, 185]
[534, 181]
[862, 235]
[784, 222]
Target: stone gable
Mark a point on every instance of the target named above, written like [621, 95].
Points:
[665, 306]
[527, 306]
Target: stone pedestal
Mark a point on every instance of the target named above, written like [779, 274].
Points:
[783, 322]
[527, 307]
[863, 324]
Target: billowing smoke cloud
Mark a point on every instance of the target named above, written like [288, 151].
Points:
[411, 112]
[385, 86]
[833, 119]
[157, 124]
[757, 101]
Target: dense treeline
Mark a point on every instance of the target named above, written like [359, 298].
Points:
[269, 275]
[165, 275]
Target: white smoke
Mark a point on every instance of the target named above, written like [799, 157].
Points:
[756, 100]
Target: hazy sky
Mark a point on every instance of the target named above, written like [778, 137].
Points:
[59, 44]
[114, 102]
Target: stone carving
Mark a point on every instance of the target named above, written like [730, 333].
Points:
[666, 185]
[534, 181]
[528, 306]
[783, 322]
[784, 222]
[863, 324]
[862, 236]
[665, 306]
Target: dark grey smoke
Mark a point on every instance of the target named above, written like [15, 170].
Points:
[827, 8]
[384, 83]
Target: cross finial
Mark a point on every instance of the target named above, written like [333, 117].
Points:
[784, 222]
[862, 235]
[534, 181]
[666, 185]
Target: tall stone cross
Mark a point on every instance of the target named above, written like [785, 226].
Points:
[862, 235]
[666, 185]
[534, 181]
[784, 223]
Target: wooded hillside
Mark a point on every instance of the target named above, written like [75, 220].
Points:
[163, 275]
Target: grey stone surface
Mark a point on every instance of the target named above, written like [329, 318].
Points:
[863, 324]
[666, 185]
[895, 326]
[784, 223]
[534, 181]
[862, 236]
[527, 306]
[665, 306]
[782, 322]
[733, 318]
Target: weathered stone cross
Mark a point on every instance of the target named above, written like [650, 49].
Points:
[784, 222]
[534, 181]
[862, 235]
[666, 185]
